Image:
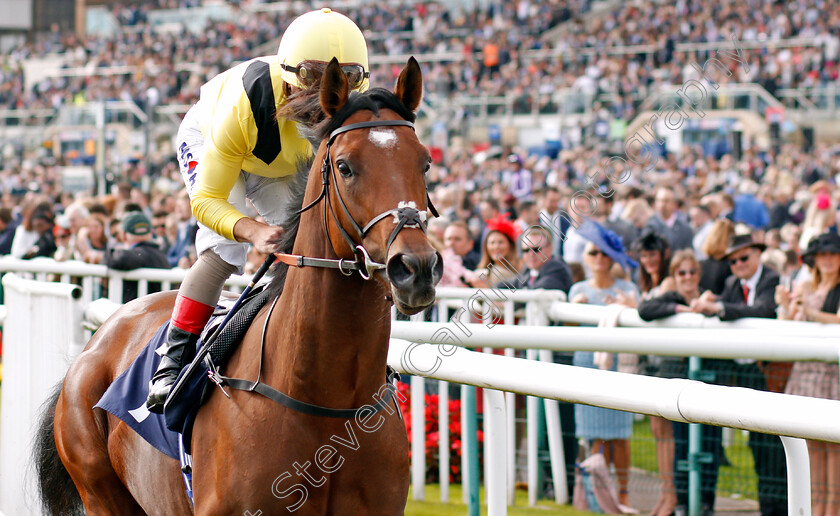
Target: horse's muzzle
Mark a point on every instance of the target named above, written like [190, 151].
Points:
[413, 278]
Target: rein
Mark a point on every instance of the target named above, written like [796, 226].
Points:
[406, 215]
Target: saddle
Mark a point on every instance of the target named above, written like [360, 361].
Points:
[183, 407]
[125, 397]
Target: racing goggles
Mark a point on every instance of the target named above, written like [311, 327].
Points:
[310, 73]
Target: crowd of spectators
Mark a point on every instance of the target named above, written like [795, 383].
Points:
[495, 46]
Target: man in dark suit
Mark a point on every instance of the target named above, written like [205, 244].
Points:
[140, 252]
[750, 292]
[668, 222]
[458, 238]
[8, 225]
[541, 269]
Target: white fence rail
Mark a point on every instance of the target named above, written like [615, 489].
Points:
[680, 400]
[41, 336]
[92, 276]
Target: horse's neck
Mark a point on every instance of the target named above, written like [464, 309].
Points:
[331, 335]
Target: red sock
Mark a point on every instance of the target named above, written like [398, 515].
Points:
[190, 315]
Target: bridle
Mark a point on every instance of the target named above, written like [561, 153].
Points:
[406, 215]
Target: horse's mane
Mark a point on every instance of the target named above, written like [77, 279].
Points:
[372, 100]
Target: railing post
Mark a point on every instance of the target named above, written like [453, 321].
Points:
[443, 439]
[532, 463]
[470, 450]
[495, 437]
[695, 505]
[798, 476]
[418, 438]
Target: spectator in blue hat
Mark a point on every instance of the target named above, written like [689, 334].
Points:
[606, 429]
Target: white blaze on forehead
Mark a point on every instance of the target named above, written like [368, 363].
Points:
[384, 138]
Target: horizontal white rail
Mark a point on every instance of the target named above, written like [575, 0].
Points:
[687, 401]
[711, 343]
[41, 288]
[592, 314]
[500, 294]
[76, 268]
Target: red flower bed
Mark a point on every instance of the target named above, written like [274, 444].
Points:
[433, 434]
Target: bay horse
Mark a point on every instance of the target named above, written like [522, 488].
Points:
[325, 344]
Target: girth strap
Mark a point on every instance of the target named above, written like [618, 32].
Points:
[308, 408]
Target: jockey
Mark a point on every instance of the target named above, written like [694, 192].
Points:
[231, 146]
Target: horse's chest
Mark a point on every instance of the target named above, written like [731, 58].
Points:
[316, 466]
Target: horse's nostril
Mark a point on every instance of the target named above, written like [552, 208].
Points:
[401, 270]
[437, 268]
[406, 260]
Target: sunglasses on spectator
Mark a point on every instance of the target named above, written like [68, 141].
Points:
[689, 272]
[159, 226]
[596, 252]
[526, 250]
[742, 259]
[310, 72]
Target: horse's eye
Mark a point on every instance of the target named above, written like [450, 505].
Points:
[344, 169]
[428, 166]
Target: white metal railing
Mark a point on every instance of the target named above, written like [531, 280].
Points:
[92, 278]
[734, 95]
[41, 335]
[820, 101]
[679, 400]
[591, 314]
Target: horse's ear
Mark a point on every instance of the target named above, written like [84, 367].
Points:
[410, 85]
[334, 88]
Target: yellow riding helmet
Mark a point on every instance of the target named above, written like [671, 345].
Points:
[319, 36]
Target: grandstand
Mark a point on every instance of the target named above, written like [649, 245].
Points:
[562, 73]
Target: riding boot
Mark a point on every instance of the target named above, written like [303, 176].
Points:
[178, 352]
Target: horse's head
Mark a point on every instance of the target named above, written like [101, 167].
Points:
[375, 213]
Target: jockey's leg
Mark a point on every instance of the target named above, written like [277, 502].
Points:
[194, 305]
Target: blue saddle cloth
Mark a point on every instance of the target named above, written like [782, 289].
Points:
[126, 399]
[171, 432]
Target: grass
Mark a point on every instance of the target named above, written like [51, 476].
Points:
[433, 507]
[738, 479]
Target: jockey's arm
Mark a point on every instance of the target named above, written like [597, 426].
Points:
[222, 162]
[263, 236]
[226, 147]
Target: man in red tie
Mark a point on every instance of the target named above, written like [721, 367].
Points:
[750, 292]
